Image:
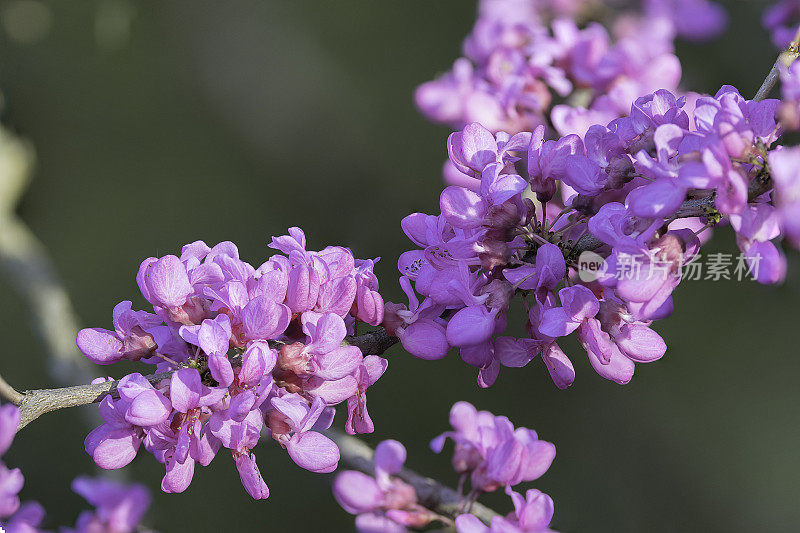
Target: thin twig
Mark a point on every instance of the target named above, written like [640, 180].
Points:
[786, 58]
[10, 393]
[35, 403]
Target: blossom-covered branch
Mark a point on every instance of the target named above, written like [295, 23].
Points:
[34, 403]
[642, 191]
[355, 453]
[489, 453]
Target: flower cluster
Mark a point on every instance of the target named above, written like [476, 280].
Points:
[382, 502]
[249, 350]
[523, 56]
[491, 452]
[118, 508]
[645, 185]
[488, 450]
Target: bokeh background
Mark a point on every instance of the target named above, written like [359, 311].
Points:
[157, 123]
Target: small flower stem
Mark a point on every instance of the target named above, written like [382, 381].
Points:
[568, 227]
[10, 393]
[168, 360]
[544, 215]
[461, 480]
[559, 215]
[786, 58]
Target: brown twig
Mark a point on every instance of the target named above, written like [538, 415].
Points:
[10, 393]
[34, 403]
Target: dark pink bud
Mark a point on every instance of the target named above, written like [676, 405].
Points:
[293, 359]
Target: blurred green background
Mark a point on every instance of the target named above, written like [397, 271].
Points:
[158, 123]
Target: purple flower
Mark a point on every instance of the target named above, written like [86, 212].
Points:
[381, 502]
[9, 420]
[696, 20]
[129, 340]
[471, 325]
[492, 451]
[459, 97]
[368, 303]
[11, 482]
[26, 520]
[781, 21]
[785, 167]
[118, 508]
[213, 337]
[426, 339]
[328, 359]
[755, 227]
[14, 515]
[789, 110]
[629, 184]
[358, 420]
[579, 304]
[532, 514]
[309, 449]
[547, 162]
[115, 443]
